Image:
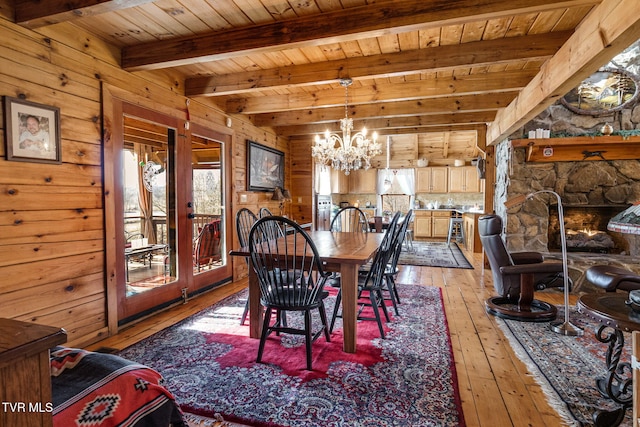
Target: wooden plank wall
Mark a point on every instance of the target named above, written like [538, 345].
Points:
[51, 216]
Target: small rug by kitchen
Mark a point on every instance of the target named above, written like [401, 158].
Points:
[434, 254]
[566, 367]
[406, 379]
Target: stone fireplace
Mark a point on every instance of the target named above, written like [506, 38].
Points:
[592, 192]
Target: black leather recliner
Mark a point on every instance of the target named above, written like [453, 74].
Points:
[514, 276]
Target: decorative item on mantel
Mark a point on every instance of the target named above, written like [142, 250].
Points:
[607, 129]
[352, 152]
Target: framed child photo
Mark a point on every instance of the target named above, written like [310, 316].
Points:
[32, 131]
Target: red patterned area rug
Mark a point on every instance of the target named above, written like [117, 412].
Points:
[406, 379]
[567, 367]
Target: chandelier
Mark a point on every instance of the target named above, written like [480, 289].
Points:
[347, 152]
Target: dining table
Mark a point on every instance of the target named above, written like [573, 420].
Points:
[342, 252]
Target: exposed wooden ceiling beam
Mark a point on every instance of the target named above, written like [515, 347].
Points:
[418, 124]
[38, 13]
[452, 104]
[371, 20]
[610, 28]
[505, 81]
[489, 52]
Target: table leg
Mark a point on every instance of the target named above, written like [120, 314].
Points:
[349, 284]
[255, 310]
[616, 385]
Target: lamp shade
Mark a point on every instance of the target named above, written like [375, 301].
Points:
[286, 194]
[277, 194]
[627, 221]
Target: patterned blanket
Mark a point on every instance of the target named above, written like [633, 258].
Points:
[95, 389]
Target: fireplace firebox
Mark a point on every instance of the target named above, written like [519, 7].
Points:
[586, 228]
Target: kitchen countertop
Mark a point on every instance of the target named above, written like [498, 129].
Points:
[460, 210]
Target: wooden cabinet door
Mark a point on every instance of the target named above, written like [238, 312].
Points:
[431, 180]
[472, 180]
[422, 224]
[457, 180]
[464, 179]
[363, 181]
[469, 231]
[339, 182]
[423, 180]
[440, 227]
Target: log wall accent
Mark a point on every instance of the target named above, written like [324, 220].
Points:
[52, 234]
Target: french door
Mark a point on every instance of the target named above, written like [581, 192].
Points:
[170, 227]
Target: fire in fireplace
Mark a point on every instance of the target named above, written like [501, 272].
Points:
[586, 227]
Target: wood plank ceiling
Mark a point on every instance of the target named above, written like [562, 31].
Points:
[433, 68]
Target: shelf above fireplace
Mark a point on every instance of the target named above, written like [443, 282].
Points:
[580, 148]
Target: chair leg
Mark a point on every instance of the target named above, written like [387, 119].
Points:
[395, 289]
[335, 310]
[323, 319]
[380, 297]
[392, 292]
[265, 333]
[245, 312]
[307, 337]
[374, 306]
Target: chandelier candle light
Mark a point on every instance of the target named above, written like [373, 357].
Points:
[347, 152]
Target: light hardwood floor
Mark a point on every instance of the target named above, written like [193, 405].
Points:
[495, 386]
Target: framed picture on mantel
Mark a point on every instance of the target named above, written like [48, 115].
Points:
[265, 167]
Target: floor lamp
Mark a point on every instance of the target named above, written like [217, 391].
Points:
[562, 327]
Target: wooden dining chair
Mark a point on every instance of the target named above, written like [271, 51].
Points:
[264, 212]
[291, 278]
[350, 219]
[245, 219]
[371, 284]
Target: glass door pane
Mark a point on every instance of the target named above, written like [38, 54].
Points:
[148, 206]
[208, 205]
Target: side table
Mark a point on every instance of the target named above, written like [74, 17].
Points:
[25, 392]
[612, 313]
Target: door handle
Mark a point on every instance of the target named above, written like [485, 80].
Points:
[191, 216]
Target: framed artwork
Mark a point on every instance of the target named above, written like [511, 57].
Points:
[32, 131]
[606, 91]
[265, 167]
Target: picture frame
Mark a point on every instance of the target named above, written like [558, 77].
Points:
[265, 167]
[32, 131]
[604, 92]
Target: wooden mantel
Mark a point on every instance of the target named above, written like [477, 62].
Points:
[580, 148]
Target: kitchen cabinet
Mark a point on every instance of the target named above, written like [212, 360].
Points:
[472, 238]
[428, 223]
[339, 182]
[432, 179]
[464, 179]
[422, 224]
[363, 181]
[440, 223]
